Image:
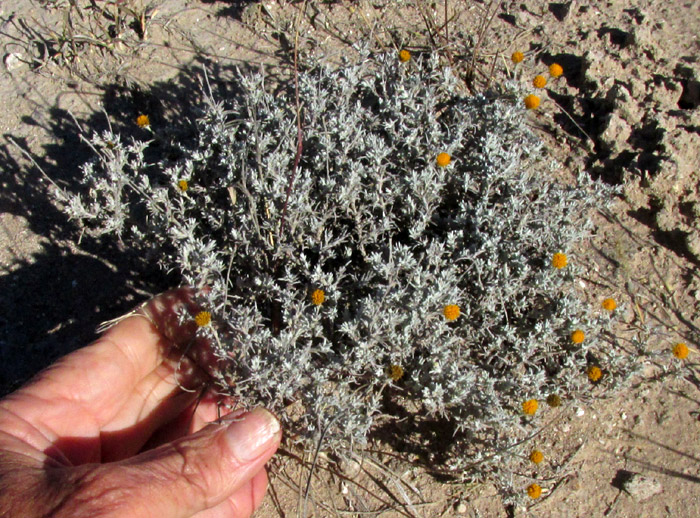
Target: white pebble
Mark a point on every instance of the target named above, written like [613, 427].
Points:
[641, 488]
[13, 61]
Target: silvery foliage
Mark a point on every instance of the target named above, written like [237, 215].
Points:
[388, 235]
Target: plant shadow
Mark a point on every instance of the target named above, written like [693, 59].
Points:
[58, 296]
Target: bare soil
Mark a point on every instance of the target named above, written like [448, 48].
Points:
[627, 109]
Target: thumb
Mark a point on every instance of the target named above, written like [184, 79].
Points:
[200, 471]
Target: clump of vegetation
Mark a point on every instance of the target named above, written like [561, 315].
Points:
[92, 39]
[376, 246]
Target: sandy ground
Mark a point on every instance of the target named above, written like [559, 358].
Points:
[627, 109]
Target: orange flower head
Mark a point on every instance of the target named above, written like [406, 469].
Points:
[183, 185]
[530, 406]
[451, 312]
[578, 336]
[517, 57]
[680, 351]
[534, 491]
[404, 56]
[318, 297]
[443, 159]
[594, 373]
[142, 121]
[536, 456]
[532, 102]
[203, 318]
[539, 82]
[555, 70]
[609, 304]
[395, 372]
[559, 260]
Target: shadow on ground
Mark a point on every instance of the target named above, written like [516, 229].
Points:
[55, 301]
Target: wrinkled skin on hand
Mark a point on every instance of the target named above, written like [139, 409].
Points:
[120, 429]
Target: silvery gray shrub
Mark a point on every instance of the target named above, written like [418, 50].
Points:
[390, 237]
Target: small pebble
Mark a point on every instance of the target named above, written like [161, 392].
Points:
[13, 61]
[461, 508]
[641, 488]
[350, 468]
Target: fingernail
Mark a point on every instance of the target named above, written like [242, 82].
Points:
[250, 435]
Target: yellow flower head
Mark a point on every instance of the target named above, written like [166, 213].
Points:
[680, 351]
[594, 373]
[536, 456]
[203, 318]
[443, 159]
[553, 400]
[609, 304]
[555, 70]
[451, 312]
[539, 82]
[534, 491]
[532, 102]
[142, 121]
[318, 297]
[559, 260]
[517, 57]
[183, 185]
[404, 56]
[395, 372]
[578, 336]
[530, 406]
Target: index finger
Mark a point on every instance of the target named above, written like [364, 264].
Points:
[93, 383]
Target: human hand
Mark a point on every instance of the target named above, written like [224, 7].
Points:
[108, 431]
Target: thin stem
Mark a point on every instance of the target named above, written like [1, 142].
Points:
[300, 133]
